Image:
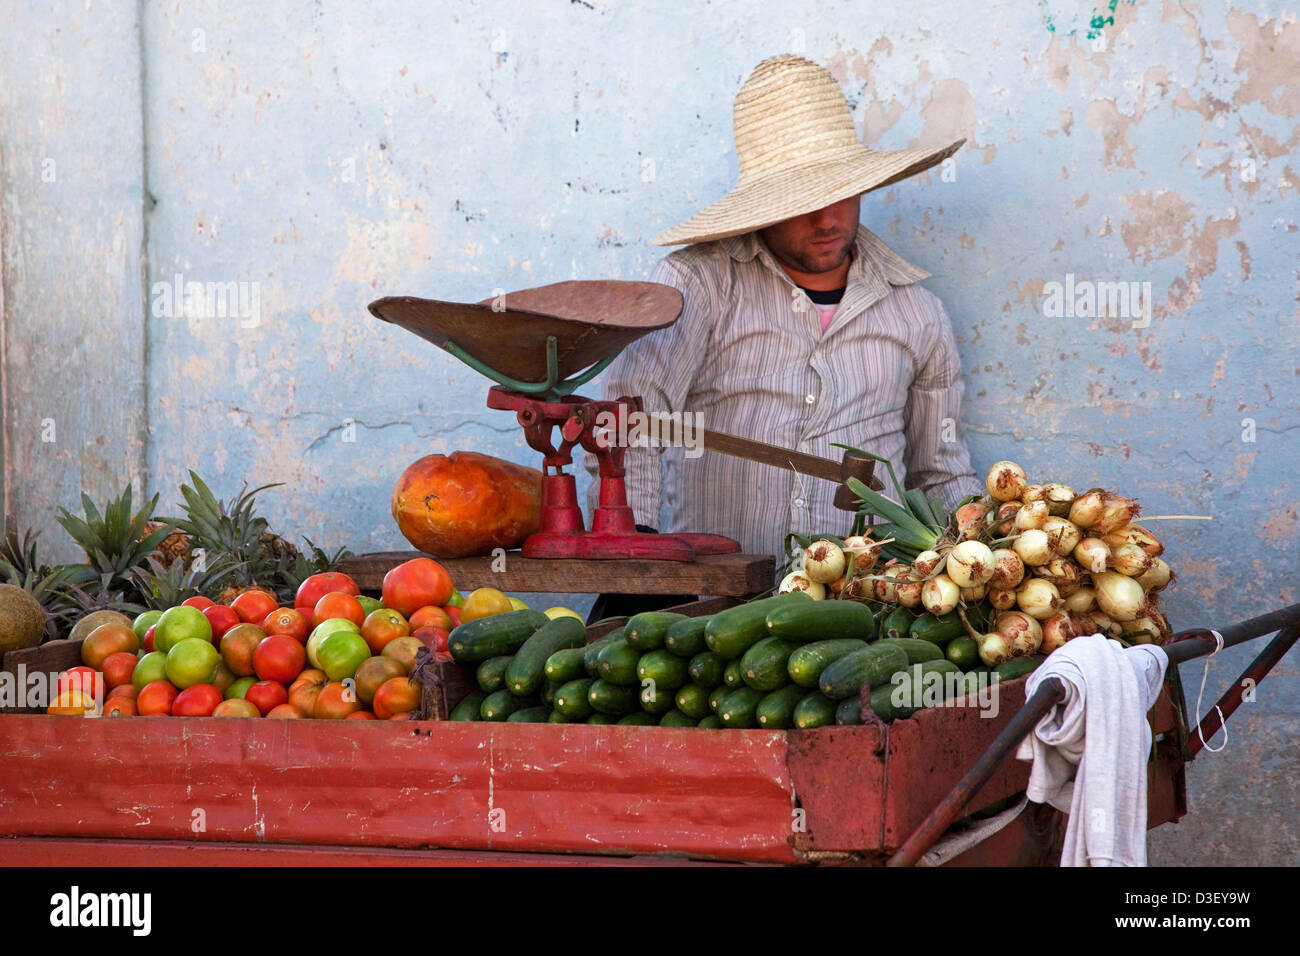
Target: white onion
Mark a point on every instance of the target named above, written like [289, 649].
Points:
[1119, 596]
[1059, 498]
[940, 595]
[1057, 629]
[1008, 569]
[1081, 601]
[1032, 493]
[1116, 511]
[886, 586]
[972, 594]
[1039, 598]
[798, 581]
[908, 589]
[968, 518]
[1023, 631]
[823, 561]
[1005, 480]
[1093, 554]
[926, 562]
[1131, 560]
[1086, 508]
[1063, 535]
[994, 649]
[1142, 631]
[1031, 515]
[970, 563]
[1033, 548]
[1004, 599]
[1003, 521]
[1156, 577]
[1135, 534]
[1064, 573]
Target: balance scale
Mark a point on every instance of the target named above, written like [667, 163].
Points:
[539, 346]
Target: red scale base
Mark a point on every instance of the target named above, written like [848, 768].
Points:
[586, 423]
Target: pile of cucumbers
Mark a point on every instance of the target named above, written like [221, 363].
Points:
[781, 662]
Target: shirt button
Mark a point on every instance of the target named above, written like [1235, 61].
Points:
[799, 502]
[810, 399]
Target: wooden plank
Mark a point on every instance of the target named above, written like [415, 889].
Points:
[52, 657]
[736, 575]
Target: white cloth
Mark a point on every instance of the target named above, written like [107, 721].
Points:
[1091, 761]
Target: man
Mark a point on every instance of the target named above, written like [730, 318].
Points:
[800, 328]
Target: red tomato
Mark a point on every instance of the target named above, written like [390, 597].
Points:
[198, 601]
[396, 696]
[197, 700]
[289, 622]
[279, 658]
[222, 619]
[338, 604]
[434, 638]
[253, 605]
[155, 699]
[118, 668]
[431, 616]
[453, 612]
[415, 583]
[319, 585]
[266, 695]
[127, 690]
[120, 707]
[336, 700]
[361, 715]
[285, 710]
[147, 643]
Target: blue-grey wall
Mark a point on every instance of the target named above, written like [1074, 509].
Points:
[325, 155]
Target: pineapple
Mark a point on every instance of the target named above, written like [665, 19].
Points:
[174, 548]
[164, 585]
[115, 542]
[233, 530]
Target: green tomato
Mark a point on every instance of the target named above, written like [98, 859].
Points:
[239, 687]
[341, 653]
[456, 599]
[323, 630]
[145, 621]
[369, 604]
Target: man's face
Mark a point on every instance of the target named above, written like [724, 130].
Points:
[817, 241]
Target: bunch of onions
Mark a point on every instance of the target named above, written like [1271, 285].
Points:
[798, 581]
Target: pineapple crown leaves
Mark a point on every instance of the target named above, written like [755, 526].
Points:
[162, 586]
[114, 541]
[217, 527]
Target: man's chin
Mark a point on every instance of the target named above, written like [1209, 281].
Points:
[828, 261]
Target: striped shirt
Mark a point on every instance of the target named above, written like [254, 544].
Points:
[749, 357]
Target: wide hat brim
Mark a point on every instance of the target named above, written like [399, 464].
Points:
[789, 193]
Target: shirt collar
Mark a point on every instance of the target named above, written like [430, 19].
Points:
[873, 261]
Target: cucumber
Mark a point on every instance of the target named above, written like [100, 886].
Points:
[807, 662]
[612, 698]
[693, 700]
[1018, 667]
[599, 718]
[686, 638]
[571, 698]
[814, 710]
[873, 665]
[565, 665]
[467, 709]
[666, 669]
[531, 715]
[675, 718]
[732, 675]
[963, 651]
[494, 636]
[849, 711]
[737, 708]
[898, 620]
[917, 651]
[616, 663]
[907, 696]
[549, 690]
[655, 699]
[776, 710]
[592, 651]
[711, 722]
[558, 718]
[528, 669]
[731, 632]
[822, 621]
[937, 630]
[706, 668]
[500, 704]
[491, 674]
[715, 697]
[645, 631]
[763, 666]
[640, 719]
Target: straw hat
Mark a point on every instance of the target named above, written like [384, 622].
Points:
[798, 151]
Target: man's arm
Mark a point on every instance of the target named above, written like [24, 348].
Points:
[661, 368]
[936, 455]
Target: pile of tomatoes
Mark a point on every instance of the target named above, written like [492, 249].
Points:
[335, 654]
